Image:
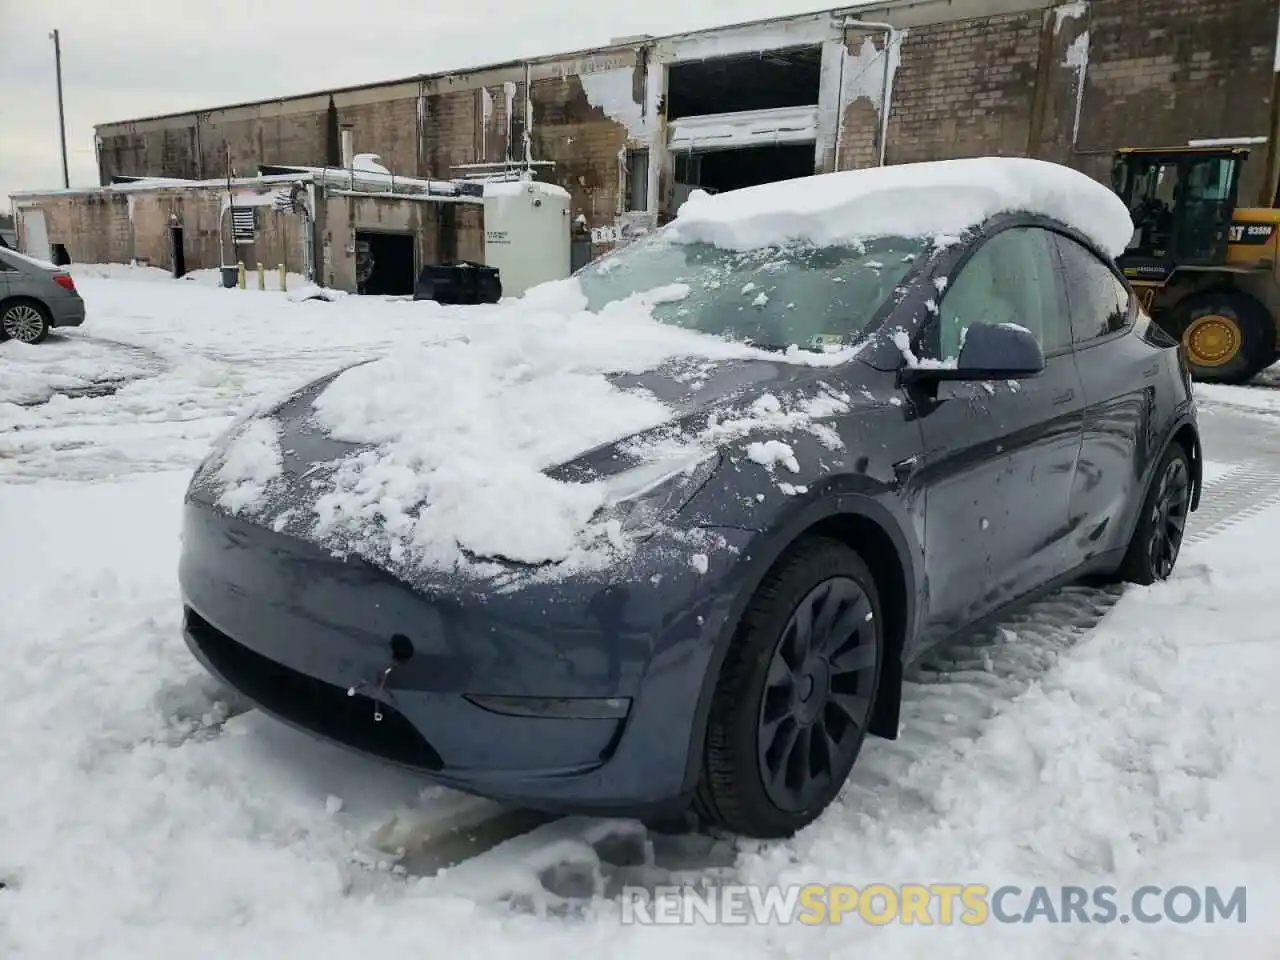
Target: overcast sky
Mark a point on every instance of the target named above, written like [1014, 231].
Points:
[124, 59]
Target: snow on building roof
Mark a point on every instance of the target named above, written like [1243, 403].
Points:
[338, 177]
[145, 184]
[935, 199]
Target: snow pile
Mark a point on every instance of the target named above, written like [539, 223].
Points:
[205, 277]
[118, 271]
[369, 163]
[940, 199]
[464, 430]
[252, 460]
[161, 367]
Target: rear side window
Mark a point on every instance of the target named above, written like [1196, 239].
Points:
[1100, 304]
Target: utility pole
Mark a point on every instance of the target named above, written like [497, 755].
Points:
[62, 120]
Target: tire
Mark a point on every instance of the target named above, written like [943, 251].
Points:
[1228, 336]
[25, 320]
[836, 693]
[1165, 510]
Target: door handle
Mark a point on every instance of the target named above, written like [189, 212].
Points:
[1065, 397]
[903, 469]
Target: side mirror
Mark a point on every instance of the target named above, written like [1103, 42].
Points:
[991, 351]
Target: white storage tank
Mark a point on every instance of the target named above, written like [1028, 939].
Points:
[526, 233]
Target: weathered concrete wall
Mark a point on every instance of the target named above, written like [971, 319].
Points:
[120, 226]
[96, 229]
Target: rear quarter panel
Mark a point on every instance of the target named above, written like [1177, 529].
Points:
[1136, 398]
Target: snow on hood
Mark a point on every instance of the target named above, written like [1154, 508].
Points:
[454, 437]
[938, 199]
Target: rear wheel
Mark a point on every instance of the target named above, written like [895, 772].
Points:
[795, 694]
[25, 321]
[1157, 540]
[1228, 336]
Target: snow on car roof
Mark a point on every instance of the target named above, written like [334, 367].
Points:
[936, 199]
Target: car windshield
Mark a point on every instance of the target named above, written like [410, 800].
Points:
[803, 295]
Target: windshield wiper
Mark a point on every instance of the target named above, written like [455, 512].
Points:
[776, 347]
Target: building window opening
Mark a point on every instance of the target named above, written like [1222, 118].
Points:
[719, 170]
[755, 81]
[636, 170]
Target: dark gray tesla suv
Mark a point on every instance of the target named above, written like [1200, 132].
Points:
[933, 423]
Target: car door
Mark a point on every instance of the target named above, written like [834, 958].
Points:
[1000, 457]
[1120, 375]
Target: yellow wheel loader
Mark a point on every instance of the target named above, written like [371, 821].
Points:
[1205, 269]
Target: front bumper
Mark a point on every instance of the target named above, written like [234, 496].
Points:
[607, 675]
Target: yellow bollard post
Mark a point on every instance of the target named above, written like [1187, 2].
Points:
[284, 286]
[262, 277]
[240, 275]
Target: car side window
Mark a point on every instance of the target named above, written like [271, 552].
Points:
[1100, 304]
[1012, 278]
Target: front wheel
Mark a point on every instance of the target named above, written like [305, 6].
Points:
[795, 694]
[1228, 336]
[1157, 540]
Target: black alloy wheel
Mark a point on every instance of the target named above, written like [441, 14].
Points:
[795, 695]
[1162, 523]
[1168, 518]
[818, 695]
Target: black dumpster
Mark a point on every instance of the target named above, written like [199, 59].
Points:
[464, 282]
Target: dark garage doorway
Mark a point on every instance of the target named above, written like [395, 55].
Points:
[385, 264]
[177, 252]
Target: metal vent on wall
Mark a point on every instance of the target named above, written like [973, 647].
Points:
[244, 224]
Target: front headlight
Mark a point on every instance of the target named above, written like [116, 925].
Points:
[641, 498]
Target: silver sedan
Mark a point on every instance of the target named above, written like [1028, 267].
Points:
[35, 296]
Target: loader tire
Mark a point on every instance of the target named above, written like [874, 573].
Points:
[1228, 336]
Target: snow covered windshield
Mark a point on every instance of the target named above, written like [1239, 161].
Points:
[774, 297]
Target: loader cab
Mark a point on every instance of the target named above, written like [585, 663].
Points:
[1181, 201]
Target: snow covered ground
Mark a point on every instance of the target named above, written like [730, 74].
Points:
[1093, 739]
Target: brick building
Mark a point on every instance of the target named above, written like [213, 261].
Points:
[628, 129]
